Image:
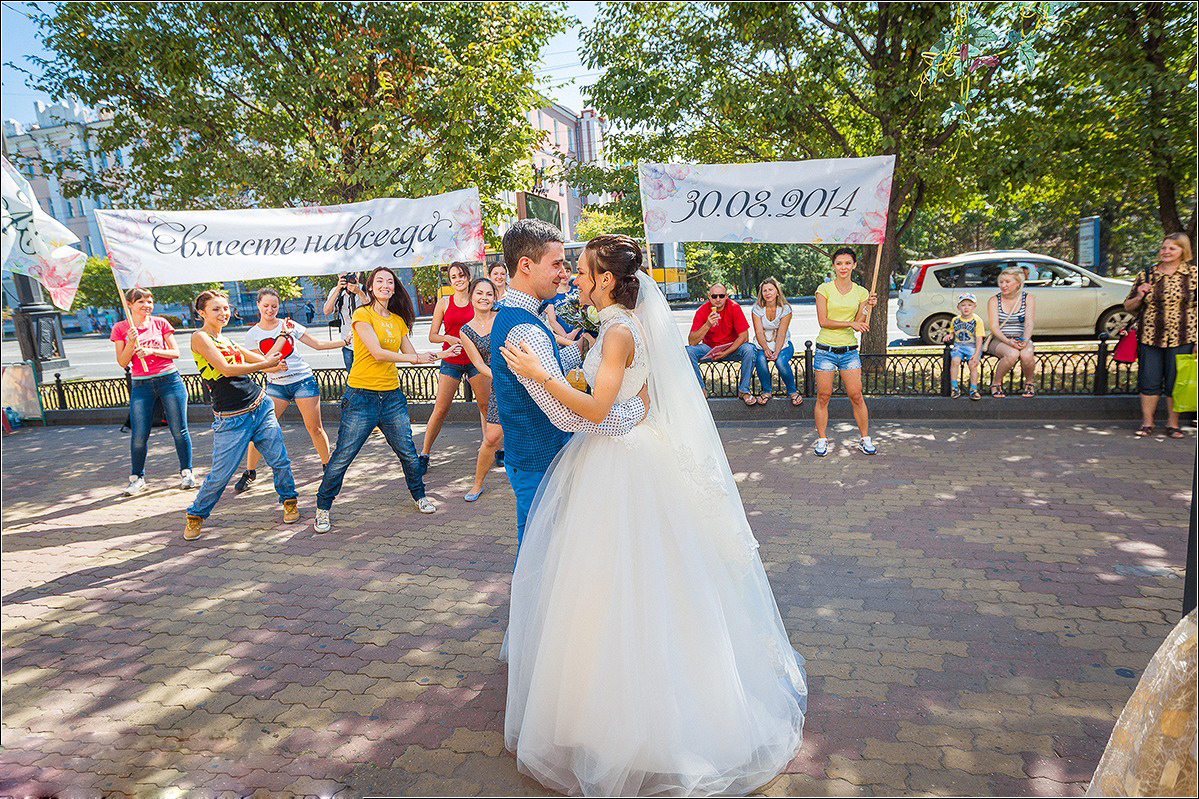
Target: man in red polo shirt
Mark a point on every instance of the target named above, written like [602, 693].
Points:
[720, 332]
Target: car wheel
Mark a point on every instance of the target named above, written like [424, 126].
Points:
[1113, 320]
[935, 328]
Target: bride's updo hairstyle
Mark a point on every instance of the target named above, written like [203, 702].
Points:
[619, 256]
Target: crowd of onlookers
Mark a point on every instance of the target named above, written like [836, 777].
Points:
[375, 318]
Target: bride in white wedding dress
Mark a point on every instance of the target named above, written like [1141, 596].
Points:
[646, 655]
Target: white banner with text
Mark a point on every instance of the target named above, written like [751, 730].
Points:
[839, 200]
[163, 248]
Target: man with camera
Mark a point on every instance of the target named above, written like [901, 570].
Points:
[344, 298]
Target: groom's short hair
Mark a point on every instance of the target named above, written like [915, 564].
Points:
[527, 238]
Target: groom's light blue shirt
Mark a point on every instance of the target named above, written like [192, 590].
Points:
[620, 420]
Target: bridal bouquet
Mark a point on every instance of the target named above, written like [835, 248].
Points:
[574, 314]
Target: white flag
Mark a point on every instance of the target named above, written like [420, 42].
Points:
[839, 200]
[164, 248]
[37, 244]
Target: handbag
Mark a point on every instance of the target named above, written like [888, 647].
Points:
[1126, 347]
[1186, 384]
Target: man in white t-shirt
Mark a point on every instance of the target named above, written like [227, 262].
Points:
[345, 298]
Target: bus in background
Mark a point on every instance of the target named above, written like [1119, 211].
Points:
[667, 266]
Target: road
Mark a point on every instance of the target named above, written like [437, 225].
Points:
[93, 356]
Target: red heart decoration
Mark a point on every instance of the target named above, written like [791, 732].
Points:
[267, 343]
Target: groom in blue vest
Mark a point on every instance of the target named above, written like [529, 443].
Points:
[536, 426]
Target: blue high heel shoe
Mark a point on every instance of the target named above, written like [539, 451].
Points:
[473, 497]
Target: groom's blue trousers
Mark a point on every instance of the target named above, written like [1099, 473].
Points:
[524, 486]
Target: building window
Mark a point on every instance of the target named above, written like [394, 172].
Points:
[70, 209]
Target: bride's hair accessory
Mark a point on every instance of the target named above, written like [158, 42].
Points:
[619, 256]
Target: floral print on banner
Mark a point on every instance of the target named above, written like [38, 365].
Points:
[38, 245]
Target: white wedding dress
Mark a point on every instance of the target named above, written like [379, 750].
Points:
[646, 655]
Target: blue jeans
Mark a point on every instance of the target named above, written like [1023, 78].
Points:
[230, 439]
[744, 353]
[170, 389]
[825, 361]
[1157, 368]
[347, 356]
[524, 486]
[361, 411]
[783, 364]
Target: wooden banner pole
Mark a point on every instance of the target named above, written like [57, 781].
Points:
[120, 293]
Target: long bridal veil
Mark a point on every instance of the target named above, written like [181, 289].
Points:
[646, 653]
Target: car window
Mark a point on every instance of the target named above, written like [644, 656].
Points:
[948, 277]
[1047, 275]
[980, 275]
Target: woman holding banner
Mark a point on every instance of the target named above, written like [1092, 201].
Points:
[242, 414]
[148, 347]
[842, 309]
[373, 397]
[291, 381]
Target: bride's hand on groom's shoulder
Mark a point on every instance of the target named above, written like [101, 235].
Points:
[524, 362]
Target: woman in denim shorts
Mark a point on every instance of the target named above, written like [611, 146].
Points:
[843, 310]
[291, 381]
[449, 315]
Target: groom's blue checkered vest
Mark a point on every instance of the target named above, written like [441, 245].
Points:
[530, 439]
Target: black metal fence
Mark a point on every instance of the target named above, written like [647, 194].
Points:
[898, 373]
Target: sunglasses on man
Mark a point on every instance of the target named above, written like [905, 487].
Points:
[717, 296]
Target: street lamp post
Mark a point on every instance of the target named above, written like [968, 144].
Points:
[38, 329]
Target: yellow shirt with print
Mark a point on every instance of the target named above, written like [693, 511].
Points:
[840, 308]
[368, 372]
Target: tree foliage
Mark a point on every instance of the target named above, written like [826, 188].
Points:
[98, 289]
[229, 105]
[733, 82]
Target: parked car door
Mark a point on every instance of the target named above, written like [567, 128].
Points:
[1067, 300]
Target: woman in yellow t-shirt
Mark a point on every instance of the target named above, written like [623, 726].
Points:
[842, 309]
[373, 398]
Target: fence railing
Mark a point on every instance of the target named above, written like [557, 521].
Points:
[897, 373]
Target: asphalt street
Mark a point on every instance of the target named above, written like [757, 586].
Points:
[93, 356]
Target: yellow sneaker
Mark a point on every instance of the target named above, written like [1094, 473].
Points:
[291, 510]
[192, 531]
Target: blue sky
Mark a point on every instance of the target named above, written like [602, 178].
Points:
[562, 74]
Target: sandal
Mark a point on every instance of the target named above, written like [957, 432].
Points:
[997, 392]
[1145, 430]
[974, 395]
[1030, 391]
[955, 392]
[763, 399]
[748, 399]
[1174, 432]
[797, 399]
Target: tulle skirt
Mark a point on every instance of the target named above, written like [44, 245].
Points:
[646, 654]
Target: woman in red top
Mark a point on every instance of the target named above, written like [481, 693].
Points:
[450, 314]
[148, 348]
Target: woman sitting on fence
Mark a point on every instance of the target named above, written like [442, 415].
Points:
[1164, 299]
[772, 340]
[291, 381]
[449, 315]
[476, 343]
[242, 414]
[842, 309]
[148, 347]
[1010, 316]
[373, 397]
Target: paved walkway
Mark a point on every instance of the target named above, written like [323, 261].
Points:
[976, 605]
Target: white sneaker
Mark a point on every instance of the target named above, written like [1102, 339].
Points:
[425, 505]
[821, 448]
[187, 479]
[136, 485]
[867, 446]
[323, 523]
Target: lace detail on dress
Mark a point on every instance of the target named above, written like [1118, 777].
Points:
[635, 374]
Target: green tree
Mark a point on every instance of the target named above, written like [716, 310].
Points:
[227, 105]
[727, 82]
[97, 289]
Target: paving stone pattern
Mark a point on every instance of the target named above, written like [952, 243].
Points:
[976, 604]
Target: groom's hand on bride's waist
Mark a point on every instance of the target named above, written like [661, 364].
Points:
[644, 395]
